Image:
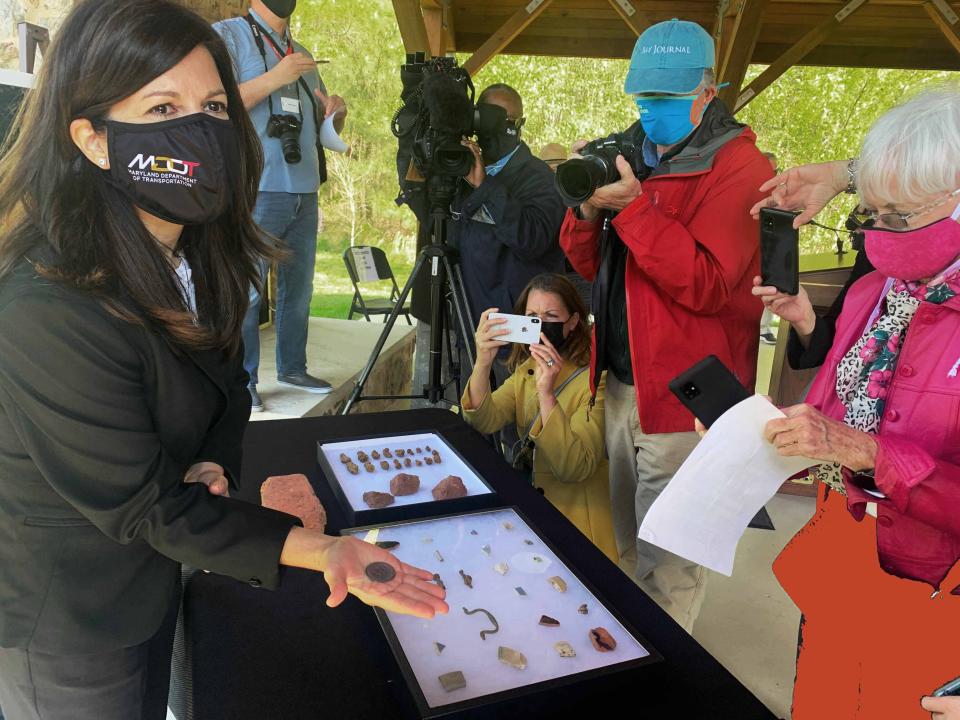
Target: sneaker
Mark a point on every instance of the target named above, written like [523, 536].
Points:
[768, 337]
[256, 404]
[305, 382]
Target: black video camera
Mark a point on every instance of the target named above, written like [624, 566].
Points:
[579, 178]
[287, 128]
[438, 111]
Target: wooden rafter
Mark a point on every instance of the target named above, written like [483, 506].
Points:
[946, 22]
[507, 32]
[739, 48]
[413, 30]
[797, 52]
[635, 20]
[438, 18]
[719, 30]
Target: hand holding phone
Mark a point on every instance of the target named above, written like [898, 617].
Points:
[779, 250]
[520, 328]
[708, 390]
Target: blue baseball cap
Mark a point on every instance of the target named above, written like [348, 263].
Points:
[670, 57]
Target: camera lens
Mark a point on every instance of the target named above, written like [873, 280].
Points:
[690, 391]
[578, 179]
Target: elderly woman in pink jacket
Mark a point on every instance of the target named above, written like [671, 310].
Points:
[875, 571]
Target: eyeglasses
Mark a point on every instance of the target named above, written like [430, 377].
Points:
[896, 220]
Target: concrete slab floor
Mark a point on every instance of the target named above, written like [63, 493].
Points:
[748, 622]
[337, 350]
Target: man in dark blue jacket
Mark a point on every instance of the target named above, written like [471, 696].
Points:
[506, 213]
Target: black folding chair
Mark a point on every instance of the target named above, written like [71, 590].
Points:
[357, 259]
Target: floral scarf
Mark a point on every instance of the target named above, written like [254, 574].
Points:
[865, 372]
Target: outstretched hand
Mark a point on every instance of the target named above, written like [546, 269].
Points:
[411, 592]
[807, 188]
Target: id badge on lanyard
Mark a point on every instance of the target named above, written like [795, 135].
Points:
[289, 94]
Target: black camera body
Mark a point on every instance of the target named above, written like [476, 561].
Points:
[438, 112]
[287, 129]
[577, 179]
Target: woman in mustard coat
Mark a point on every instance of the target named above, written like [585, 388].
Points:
[549, 398]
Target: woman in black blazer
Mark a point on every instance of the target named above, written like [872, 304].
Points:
[126, 253]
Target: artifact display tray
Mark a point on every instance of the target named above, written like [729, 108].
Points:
[521, 620]
[361, 485]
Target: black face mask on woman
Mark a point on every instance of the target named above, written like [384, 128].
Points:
[181, 170]
[281, 8]
[553, 331]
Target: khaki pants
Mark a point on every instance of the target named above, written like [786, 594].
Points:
[641, 465]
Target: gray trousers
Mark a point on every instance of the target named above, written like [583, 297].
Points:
[125, 684]
[641, 465]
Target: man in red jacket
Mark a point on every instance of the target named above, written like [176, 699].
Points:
[671, 255]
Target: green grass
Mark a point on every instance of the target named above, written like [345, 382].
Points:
[333, 292]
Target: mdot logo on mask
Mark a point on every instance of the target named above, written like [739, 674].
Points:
[161, 164]
[180, 170]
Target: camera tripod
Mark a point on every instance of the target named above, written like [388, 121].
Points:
[446, 294]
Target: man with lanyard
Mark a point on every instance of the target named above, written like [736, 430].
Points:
[282, 91]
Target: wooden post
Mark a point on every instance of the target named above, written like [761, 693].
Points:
[738, 49]
[944, 18]
[413, 30]
[796, 53]
[502, 37]
[441, 35]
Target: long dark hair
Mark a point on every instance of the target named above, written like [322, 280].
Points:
[577, 346]
[58, 212]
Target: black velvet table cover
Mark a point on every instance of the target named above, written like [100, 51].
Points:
[283, 655]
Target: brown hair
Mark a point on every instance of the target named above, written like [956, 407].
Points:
[577, 347]
[58, 210]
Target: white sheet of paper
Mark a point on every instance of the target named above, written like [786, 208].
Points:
[366, 266]
[329, 138]
[729, 476]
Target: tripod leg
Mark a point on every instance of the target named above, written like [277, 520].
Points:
[382, 340]
[461, 307]
[456, 372]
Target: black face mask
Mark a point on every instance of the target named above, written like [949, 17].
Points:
[181, 170]
[281, 8]
[553, 331]
[494, 147]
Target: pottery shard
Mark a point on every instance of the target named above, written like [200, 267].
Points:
[345, 459]
[583, 609]
[375, 455]
[384, 465]
[353, 469]
[602, 640]
[377, 499]
[292, 494]
[428, 461]
[407, 462]
[502, 568]
[453, 681]
[419, 463]
[548, 621]
[559, 584]
[387, 453]
[368, 466]
[448, 488]
[397, 465]
[401, 452]
[404, 484]
[362, 456]
[513, 658]
[565, 649]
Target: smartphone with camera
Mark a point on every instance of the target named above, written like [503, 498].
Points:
[951, 689]
[522, 329]
[708, 389]
[779, 250]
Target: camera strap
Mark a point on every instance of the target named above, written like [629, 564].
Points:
[258, 35]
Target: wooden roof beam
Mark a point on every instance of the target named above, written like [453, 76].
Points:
[438, 18]
[413, 30]
[636, 21]
[796, 53]
[739, 48]
[503, 36]
[946, 19]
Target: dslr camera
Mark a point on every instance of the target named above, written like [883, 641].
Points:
[438, 111]
[287, 129]
[577, 179]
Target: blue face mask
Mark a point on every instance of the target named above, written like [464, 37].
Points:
[666, 119]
